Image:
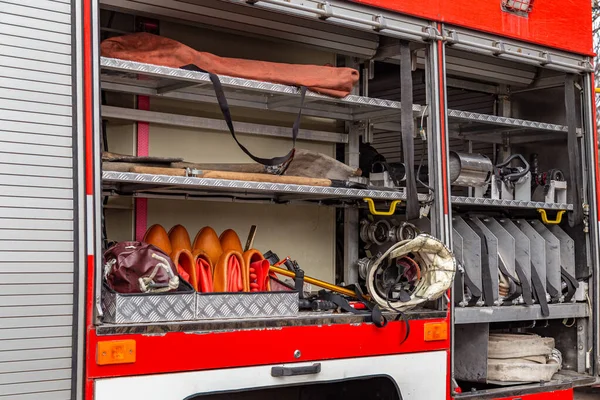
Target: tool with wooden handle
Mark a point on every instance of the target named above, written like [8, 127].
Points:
[237, 176]
[317, 282]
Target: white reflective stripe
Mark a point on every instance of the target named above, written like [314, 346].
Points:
[419, 376]
[89, 200]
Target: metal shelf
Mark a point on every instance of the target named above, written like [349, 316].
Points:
[128, 183]
[478, 201]
[504, 121]
[481, 315]
[174, 83]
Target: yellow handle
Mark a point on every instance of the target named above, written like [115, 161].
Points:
[597, 90]
[545, 219]
[373, 211]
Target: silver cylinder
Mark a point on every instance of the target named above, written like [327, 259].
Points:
[468, 169]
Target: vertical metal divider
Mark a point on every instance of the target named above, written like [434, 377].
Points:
[591, 138]
[95, 242]
[437, 122]
[351, 215]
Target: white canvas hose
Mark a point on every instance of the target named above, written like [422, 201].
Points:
[437, 264]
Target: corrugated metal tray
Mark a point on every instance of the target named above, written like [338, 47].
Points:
[246, 305]
[138, 308]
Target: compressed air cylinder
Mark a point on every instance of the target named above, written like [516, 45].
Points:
[468, 169]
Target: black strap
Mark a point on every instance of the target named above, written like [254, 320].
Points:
[486, 275]
[571, 283]
[475, 291]
[525, 283]
[408, 127]
[224, 106]
[459, 287]
[575, 174]
[552, 291]
[538, 290]
[376, 316]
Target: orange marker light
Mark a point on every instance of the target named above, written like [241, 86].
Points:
[435, 331]
[116, 352]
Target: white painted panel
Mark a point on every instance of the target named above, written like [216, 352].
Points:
[36, 322]
[42, 354]
[34, 376]
[32, 33]
[35, 44]
[37, 343]
[32, 138]
[34, 76]
[35, 213]
[420, 376]
[49, 203]
[35, 87]
[36, 256]
[50, 5]
[36, 311]
[23, 116]
[35, 289]
[26, 278]
[13, 180]
[16, 15]
[31, 106]
[37, 192]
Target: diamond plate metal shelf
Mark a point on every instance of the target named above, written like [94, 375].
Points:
[504, 121]
[478, 201]
[174, 83]
[147, 184]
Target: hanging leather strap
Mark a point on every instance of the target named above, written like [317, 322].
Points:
[553, 292]
[538, 290]
[224, 106]
[408, 128]
[575, 174]
[571, 283]
[475, 291]
[486, 275]
[525, 283]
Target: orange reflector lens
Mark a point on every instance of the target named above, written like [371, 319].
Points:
[435, 331]
[116, 352]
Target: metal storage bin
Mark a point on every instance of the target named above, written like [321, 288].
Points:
[246, 305]
[138, 308]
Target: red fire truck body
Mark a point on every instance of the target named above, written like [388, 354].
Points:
[488, 77]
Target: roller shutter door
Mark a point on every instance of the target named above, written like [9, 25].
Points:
[37, 200]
